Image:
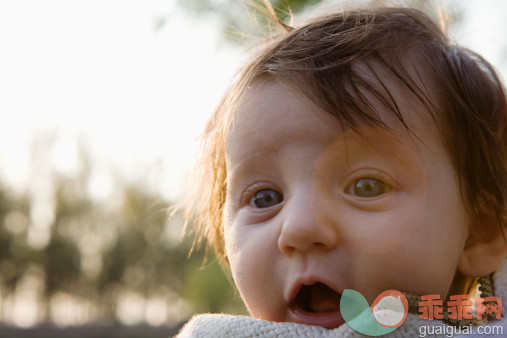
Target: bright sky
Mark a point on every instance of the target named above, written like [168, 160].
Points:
[100, 70]
[139, 97]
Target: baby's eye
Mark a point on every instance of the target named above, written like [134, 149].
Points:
[367, 187]
[266, 198]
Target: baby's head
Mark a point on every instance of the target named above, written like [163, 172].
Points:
[361, 151]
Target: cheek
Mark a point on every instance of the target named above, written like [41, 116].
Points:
[249, 255]
[414, 247]
[253, 259]
[378, 233]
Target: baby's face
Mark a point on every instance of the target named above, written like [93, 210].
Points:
[311, 211]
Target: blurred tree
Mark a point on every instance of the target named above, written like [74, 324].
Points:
[15, 255]
[99, 250]
[207, 288]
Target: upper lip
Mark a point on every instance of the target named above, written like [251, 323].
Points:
[309, 280]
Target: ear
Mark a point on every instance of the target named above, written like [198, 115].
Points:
[485, 248]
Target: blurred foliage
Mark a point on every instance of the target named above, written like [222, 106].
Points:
[99, 250]
[244, 20]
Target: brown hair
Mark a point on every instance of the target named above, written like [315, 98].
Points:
[321, 59]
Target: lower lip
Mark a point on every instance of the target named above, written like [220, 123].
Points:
[329, 320]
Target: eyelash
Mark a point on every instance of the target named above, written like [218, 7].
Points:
[254, 189]
[368, 173]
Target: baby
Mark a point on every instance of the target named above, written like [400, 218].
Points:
[360, 151]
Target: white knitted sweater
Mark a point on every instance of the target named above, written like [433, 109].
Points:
[220, 325]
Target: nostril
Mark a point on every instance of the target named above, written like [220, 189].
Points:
[287, 250]
[320, 245]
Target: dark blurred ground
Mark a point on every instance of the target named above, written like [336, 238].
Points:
[91, 331]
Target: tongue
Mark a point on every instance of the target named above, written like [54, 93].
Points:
[323, 299]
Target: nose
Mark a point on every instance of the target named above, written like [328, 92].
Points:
[307, 223]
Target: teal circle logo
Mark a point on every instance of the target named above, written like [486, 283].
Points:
[387, 313]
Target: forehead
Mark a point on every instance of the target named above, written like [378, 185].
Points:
[264, 113]
[272, 113]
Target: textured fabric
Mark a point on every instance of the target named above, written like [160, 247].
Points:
[221, 325]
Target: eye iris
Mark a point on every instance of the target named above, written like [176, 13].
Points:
[266, 198]
[368, 187]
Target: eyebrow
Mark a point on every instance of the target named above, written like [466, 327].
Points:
[251, 160]
[379, 135]
[388, 145]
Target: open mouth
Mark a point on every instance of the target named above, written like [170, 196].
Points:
[317, 304]
[317, 298]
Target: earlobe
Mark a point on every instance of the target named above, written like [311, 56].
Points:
[483, 253]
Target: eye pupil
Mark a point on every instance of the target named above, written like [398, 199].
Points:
[368, 187]
[266, 198]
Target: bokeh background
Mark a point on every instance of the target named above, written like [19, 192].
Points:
[101, 105]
